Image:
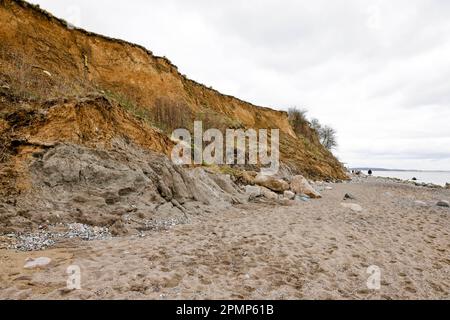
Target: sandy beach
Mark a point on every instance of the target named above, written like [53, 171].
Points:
[296, 250]
[216, 151]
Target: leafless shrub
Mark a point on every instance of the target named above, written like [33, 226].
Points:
[328, 137]
[170, 115]
[299, 122]
[327, 134]
[297, 119]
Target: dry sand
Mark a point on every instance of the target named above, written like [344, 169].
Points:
[305, 250]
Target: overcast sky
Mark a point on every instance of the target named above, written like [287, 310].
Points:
[378, 71]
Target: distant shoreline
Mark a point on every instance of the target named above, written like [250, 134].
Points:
[441, 178]
[398, 170]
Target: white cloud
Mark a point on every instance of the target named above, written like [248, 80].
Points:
[376, 70]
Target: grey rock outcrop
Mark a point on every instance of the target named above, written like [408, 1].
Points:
[121, 187]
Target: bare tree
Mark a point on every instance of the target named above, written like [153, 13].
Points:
[327, 134]
[328, 137]
[315, 124]
[298, 121]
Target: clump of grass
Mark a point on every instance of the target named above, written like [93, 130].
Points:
[166, 114]
[297, 119]
[138, 112]
[212, 119]
[26, 80]
[169, 115]
[234, 172]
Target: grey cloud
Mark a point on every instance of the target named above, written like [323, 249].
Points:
[377, 70]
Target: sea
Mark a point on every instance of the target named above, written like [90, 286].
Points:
[435, 177]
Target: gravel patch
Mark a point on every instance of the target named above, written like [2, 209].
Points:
[44, 239]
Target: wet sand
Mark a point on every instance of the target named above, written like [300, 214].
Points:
[302, 250]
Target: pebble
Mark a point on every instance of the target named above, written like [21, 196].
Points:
[349, 196]
[420, 203]
[302, 198]
[443, 203]
[352, 206]
[37, 263]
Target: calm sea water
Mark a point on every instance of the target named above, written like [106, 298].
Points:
[436, 177]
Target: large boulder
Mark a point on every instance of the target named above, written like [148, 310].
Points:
[272, 183]
[268, 194]
[252, 192]
[300, 185]
[289, 195]
[247, 177]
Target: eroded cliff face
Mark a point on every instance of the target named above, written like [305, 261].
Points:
[84, 132]
[58, 84]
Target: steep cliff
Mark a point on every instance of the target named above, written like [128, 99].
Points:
[59, 84]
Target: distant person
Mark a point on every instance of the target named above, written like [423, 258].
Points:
[370, 172]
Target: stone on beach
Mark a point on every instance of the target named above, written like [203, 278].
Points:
[302, 198]
[300, 185]
[253, 192]
[248, 177]
[37, 263]
[352, 206]
[420, 203]
[289, 195]
[271, 183]
[349, 196]
[443, 203]
[268, 194]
